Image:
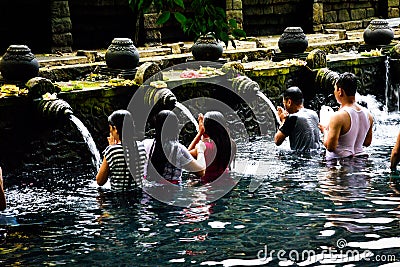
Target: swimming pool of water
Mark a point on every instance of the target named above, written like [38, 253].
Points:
[300, 210]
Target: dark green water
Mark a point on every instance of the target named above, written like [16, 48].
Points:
[302, 207]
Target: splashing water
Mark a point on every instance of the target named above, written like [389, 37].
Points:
[96, 159]
[392, 90]
[378, 110]
[387, 84]
[187, 112]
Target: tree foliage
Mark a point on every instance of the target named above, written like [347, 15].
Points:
[200, 18]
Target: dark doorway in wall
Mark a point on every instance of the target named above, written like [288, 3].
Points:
[265, 17]
[96, 23]
[303, 16]
[382, 9]
[25, 22]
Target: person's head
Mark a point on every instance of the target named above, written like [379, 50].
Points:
[167, 129]
[216, 128]
[348, 83]
[116, 122]
[166, 125]
[292, 99]
[214, 123]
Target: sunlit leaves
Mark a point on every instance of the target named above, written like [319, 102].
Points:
[202, 17]
[164, 17]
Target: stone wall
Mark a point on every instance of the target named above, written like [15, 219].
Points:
[265, 17]
[351, 14]
[61, 27]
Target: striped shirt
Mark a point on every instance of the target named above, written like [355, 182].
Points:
[125, 176]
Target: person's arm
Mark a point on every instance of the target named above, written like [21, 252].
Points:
[279, 138]
[331, 136]
[233, 154]
[287, 126]
[368, 138]
[102, 175]
[192, 147]
[198, 165]
[395, 155]
[3, 202]
[282, 114]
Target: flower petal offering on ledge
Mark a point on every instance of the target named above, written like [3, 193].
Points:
[69, 86]
[159, 84]
[191, 74]
[202, 72]
[9, 90]
[120, 82]
[372, 53]
[49, 96]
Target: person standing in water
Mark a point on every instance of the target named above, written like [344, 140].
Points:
[167, 156]
[395, 155]
[350, 128]
[114, 164]
[297, 122]
[220, 148]
[3, 202]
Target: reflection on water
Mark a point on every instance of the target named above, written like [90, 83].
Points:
[56, 217]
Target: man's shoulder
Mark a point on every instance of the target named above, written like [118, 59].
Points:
[310, 111]
[340, 116]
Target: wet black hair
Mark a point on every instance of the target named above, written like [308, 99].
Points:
[118, 118]
[295, 94]
[166, 128]
[348, 82]
[216, 128]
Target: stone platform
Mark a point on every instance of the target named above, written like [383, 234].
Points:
[70, 66]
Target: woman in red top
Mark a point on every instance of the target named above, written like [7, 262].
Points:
[3, 203]
[220, 148]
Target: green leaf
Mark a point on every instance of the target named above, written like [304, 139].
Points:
[203, 29]
[221, 12]
[180, 18]
[233, 23]
[164, 17]
[239, 33]
[139, 5]
[224, 37]
[179, 3]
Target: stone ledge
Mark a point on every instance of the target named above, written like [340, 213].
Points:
[45, 61]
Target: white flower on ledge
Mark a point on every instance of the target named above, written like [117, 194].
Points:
[49, 96]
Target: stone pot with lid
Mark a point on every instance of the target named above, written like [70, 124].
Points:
[378, 32]
[207, 47]
[122, 54]
[293, 40]
[19, 64]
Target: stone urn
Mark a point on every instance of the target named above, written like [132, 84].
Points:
[293, 40]
[207, 48]
[122, 54]
[378, 32]
[19, 64]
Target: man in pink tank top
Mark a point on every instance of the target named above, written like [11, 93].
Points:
[350, 128]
